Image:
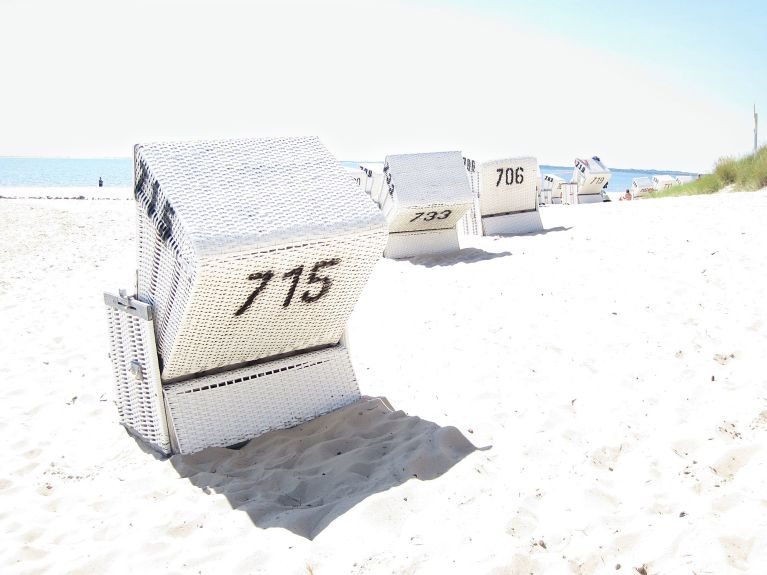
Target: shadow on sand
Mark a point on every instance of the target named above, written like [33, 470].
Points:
[303, 478]
[540, 233]
[464, 256]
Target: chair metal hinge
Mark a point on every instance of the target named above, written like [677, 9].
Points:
[129, 304]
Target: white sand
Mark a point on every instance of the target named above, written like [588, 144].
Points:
[571, 401]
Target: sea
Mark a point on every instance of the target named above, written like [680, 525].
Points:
[27, 172]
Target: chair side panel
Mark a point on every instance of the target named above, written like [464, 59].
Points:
[228, 408]
[138, 391]
[513, 224]
[410, 244]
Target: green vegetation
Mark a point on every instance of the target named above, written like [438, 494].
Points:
[746, 174]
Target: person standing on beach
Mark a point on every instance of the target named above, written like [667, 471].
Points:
[101, 182]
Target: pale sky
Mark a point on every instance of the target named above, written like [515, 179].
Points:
[666, 85]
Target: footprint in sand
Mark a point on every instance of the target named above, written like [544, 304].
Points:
[522, 524]
[606, 457]
[626, 542]
[737, 551]
[601, 499]
[760, 422]
[586, 566]
[733, 461]
[687, 448]
[726, 502]
[519, 564]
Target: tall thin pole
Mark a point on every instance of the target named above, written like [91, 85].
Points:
[756, 128]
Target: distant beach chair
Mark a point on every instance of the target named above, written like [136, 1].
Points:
[683, 179]
[592, 176]
[423, 198]
[563, 190]
[471, 223]
[375, 183]
[551, 189]
[251, 256]
[641, 187]
[359, 178]
[508, 196]
[568, 193]
[663, 182]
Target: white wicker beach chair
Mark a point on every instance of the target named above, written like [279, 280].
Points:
[471, 222]
[663, 182]
[592, 176]
[369, 178]
[359, 178]
[424, 197]
[683, 179]
[569, 192]
[551, 189]
[641, 187]
[508, 196]
[251, 256]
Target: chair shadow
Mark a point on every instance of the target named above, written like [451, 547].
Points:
[305, 477]
[538, 233]
[463, 256]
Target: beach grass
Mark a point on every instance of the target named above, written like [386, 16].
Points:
[744, 174]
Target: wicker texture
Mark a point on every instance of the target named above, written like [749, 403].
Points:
[215, 337]
[231, 407]
[522, 223]
[426, 179]
[359, 179]
[471, 223]
[551, 188]
[569, 193]
[512, 189]
[425, 191]
[378, 189]
[249, 248]
[591, 176]
[424, 197]
[256, 192]
[139, 400]
[371, 169]
[410, 244]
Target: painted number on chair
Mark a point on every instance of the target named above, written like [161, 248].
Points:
[292, 279]
[429, 216]
[510, 176]
[598, 180]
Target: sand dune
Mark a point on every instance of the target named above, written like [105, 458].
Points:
[590, 399]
